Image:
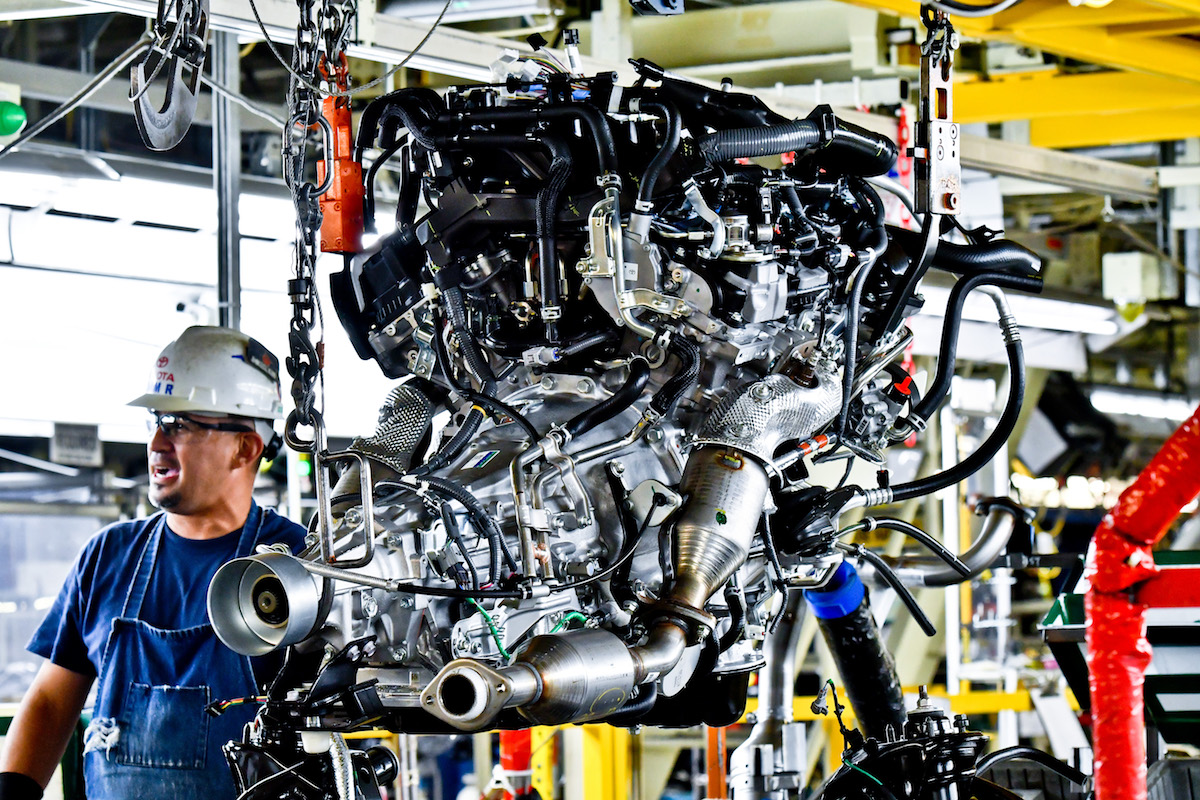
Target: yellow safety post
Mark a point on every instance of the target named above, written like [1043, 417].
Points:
[606, 763]
[542, 757]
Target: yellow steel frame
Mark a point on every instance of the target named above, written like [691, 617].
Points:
[607, 763]
[1152, 94]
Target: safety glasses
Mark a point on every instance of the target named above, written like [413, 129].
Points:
[177, 427]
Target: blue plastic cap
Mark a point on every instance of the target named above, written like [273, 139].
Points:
[840, 596]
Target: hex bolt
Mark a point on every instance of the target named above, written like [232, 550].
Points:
[548, 383]
[354, 517]
[585, 386]
[760, 392]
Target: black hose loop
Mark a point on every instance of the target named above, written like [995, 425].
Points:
[622, 398]
[998, 438]
[670, 144]
[683, 381]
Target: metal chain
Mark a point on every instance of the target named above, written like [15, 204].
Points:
[941, 38]
[310, 62]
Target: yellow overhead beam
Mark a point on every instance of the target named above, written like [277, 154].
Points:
[1180, 26]
[1062, 96]
[1035, 14]
[1172, 58]
[1092, 35]
[1189, 7]
[1106, 129]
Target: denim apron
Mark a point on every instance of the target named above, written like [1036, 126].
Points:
[150, 736]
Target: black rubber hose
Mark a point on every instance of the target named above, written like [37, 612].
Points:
[936, 394]
[974, 462]
[768, 140]
[414, 108]
[886, 572]
[591, 118]
[454, 534]
[670, 144]
[805, 237]
[457, 315]
[546, 215]
[737, 618]
[621, 399]
[634, 710]
[682, 382]
[480, 518]
[578, 346]
[369, 199]
[998, 255]
[1030, 754]
[858, 151]
[850, 335]
[933, 545]
[492, 404]
[868, 670]
[1002, 520]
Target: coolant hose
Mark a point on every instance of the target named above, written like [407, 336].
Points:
[1002, 516]
[858, 151]
[1004, 426]
[937, 391]
[867, 260]
[414, 108]
[683, 381]
[1036, 756]
[547, 213]
[669, 113]
[868, 670]
[634, 710]
[843, 147]
[621, 399]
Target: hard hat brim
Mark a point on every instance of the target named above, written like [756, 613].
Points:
[162, 402]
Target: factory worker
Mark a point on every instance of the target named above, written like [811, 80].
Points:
[132, 615]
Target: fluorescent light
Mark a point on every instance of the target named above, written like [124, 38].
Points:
[1046, 313]
[1134, 403]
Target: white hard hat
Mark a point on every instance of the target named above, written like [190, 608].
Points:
[218, 371]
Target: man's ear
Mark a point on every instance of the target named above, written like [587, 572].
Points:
[250, 447]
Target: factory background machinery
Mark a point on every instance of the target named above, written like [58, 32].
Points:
[664, 343]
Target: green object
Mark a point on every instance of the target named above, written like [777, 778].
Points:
[571, 616]
[1172, 700]
[12, 118]
[492, 627]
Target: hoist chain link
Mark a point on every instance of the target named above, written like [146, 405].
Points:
[321, 40]
[303, 362]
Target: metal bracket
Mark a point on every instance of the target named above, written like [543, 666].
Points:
[566, 468]
[937, 142]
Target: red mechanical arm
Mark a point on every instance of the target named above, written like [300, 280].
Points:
[1120, 559]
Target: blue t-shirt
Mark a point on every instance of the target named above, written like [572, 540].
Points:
[76, 629]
